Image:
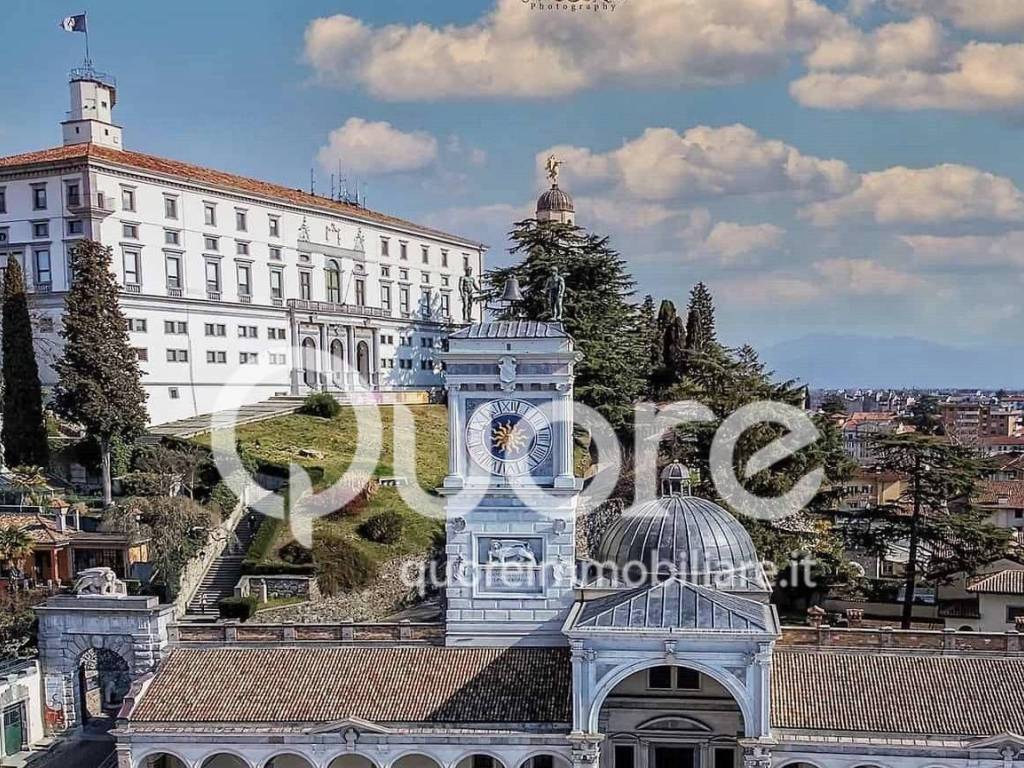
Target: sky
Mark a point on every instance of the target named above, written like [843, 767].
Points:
[846, 169]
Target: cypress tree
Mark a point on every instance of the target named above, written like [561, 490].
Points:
[99, 385]
[24, 432]
[599, 315]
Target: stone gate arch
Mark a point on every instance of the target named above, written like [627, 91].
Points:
[132, 628]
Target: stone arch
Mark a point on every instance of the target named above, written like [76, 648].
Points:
[465, 760]
[310, 375]
[557, 761]
[351, 760]
[415, 759]
[735, 687]
[79, 645]
[363, 363]
[223, 758]
[150, 759]
[287, 759]
[800, 764]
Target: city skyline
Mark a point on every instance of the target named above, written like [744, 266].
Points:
[813, 192]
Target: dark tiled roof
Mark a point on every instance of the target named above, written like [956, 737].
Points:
[1008, 582]
[39, 529]
[512, 329]
[385, 685]
[994, 490]
[676, 604]
[208, 176]
[898, 694]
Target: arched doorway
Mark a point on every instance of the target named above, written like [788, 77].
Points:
[545, 761]
[162, 760]
[338, 362]
[363, 363]
[670, 717]
[351, 761]
[103, 682]
[415, 761]
[309, 362]
[480, 760]
[287, 761]
[224, 760]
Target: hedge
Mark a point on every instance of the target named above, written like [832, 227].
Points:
[276, 568]
[320, 404]
[237, 607]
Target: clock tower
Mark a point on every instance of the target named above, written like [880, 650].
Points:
[510, 490]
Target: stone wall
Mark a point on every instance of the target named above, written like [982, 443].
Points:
[277, 587]
[194, 571]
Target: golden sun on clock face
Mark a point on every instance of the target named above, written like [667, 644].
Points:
[508, 437]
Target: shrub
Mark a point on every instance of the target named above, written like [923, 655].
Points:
[320, 404]
[384, 527]
[341, 565]
[241, 608]
[261, 543]
[295, 554]
[147, 484]
[223, 499]
[277, 568]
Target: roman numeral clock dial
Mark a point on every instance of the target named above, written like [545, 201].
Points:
[508, 437]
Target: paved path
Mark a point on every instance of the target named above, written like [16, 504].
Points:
[88, 749]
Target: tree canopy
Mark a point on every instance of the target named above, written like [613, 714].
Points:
[24, 431]
[99, 383]
[599, 313]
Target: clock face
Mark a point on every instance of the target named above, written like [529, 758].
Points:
[508, 437]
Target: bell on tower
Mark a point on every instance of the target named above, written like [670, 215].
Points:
[91, 117]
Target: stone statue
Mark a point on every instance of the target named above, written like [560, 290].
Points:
[360, 240]
[304, 230]
[554, 288]
[468, 290]
[551, 166]
[507, 373]
[99, 581]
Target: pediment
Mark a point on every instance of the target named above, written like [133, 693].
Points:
[674, 723]
[347, 724]
[999, 742]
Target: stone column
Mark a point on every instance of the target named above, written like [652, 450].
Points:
[375, 361]
[563, 459]
[586, 749]
[349, 343]
[757, 756]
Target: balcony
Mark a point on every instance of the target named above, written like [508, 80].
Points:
[174, 293]
[330, 307]
[245, 299]
[212, 295]
[131, 288]
[44, 287]
[95, 204]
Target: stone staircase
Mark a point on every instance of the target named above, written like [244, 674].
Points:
[224, 572]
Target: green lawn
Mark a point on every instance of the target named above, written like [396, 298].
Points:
[280, 440]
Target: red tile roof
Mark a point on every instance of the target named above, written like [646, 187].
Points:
[428, 684]
[1008, 582]
[40, 529]
[897, 694]
[213, 178]
[994, 490]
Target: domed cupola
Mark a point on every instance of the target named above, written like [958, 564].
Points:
[555, 204]
[686, 536]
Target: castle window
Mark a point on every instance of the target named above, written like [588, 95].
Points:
[274, 224]
[210, 214]
[38, 197]
[128, 198]
[171, 207]
[659, 677]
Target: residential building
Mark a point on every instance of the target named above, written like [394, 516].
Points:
[859, 428]
[235, 289]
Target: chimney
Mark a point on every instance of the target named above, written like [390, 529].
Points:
[815, 615]
[854, 617]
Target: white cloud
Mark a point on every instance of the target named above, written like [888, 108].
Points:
[860, 277]
[911, 65]
[514, 52]
[996, 17]
[731, 240]
[662, 164]
[364, 147]
[937, 195]
[968, 251]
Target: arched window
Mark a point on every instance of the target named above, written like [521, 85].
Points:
[333, 282]
[287, 761]
[162, 760]
[224, 760]
[415, 761]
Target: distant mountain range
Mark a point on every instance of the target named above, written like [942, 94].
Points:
[837, 360]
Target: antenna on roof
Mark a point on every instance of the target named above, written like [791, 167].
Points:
[312, 182]
[364, 195]
[332, 186]
[340, 196]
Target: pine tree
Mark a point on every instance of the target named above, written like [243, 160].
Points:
[599, 315]
[671, 343]
[99, 385]
[935, 518]
[701, 338]
[24, 431]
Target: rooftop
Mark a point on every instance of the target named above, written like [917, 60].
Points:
[219, 179]
[512, 329]
[397, 684]
[1008, 582]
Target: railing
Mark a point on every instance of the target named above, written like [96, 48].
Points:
[132, 288]
[17, 667]
[245, 299]
[277, 302]
[888, 639]
[96, 202]
[88, 73]
[174, 293]
[213, 295]
[306, 305]
[220, 634]
[44, 287]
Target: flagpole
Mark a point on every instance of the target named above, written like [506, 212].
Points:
[88, 59]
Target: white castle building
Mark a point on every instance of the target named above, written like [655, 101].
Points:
[235, 289]
[534, 667]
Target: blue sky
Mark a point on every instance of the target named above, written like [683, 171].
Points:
[827, 167]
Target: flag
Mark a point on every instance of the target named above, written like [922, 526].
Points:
[74, 23]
